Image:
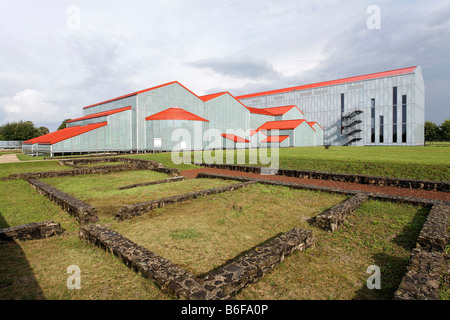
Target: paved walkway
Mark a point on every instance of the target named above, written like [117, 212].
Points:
[9, 158]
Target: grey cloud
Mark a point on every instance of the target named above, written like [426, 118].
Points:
[239, 66]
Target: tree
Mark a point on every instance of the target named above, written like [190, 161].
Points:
[431, 131]
[63, 124]
[444, 129]
[44, 130]
[19, 131]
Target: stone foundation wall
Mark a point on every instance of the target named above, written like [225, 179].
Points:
[217, 285]
[83, 212]
[427, 261]
[372, 195]
[442, 186]
[234, 276]
[130, 211]
[422, 278]
[332, 218]
[434, 234]
[133, 164]
[169, 180]
[31, 231]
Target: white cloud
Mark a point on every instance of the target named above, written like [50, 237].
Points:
[29, 105]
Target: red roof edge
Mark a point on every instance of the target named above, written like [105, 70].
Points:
[61, 135]
[212, 96]
[234, 138]
[175, 113]
[333, 82]
[139, 92]
[275, 138]
[100, 114]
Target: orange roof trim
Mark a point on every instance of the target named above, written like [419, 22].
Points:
[333, 82]
[281, 125]
[101, 114]
[175, 113]
[275, 139]
[65, 134]
[234, 138]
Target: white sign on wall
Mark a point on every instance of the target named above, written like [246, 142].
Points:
[157, 142]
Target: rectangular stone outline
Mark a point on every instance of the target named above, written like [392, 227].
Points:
[442, 186]
[216, 285]
[133, 210]
[83, 212]
[372, 195]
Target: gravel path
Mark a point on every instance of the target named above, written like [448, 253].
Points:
[326, 183]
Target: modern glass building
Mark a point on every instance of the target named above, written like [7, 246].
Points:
[384, 108]
[170, 117]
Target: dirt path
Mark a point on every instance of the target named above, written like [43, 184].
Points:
[326, 183]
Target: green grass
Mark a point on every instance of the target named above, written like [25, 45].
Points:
[203, 233]
[7, 169]
[206, 232]
[424, 163]
[379, 233]
[101, 190]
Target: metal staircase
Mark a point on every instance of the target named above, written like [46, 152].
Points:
[351, 126]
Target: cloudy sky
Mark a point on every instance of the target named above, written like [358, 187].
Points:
[58, 56]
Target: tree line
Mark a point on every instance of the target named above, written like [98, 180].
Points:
[433, 132]
[24, 130]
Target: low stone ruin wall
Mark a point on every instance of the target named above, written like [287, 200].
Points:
[169, 180]
[130, 163]
[130, 211]
[249, 268]
[31, 231]
[427, 262]
[422, 278]
[217, 285]
[372, 195]
[442, 186]
[332, 218]
[434, 234]
[168, 276]
[83, 212]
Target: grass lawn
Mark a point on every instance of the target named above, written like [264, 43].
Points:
[7, 169]
[424, 163]
[101, 190]
[204, 233]
[379, 233]
[38, 269]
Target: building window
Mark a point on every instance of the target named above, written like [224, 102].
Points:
[394, 115]
[404, 103]
[381, 129]
[342, 111]
[372, 120]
